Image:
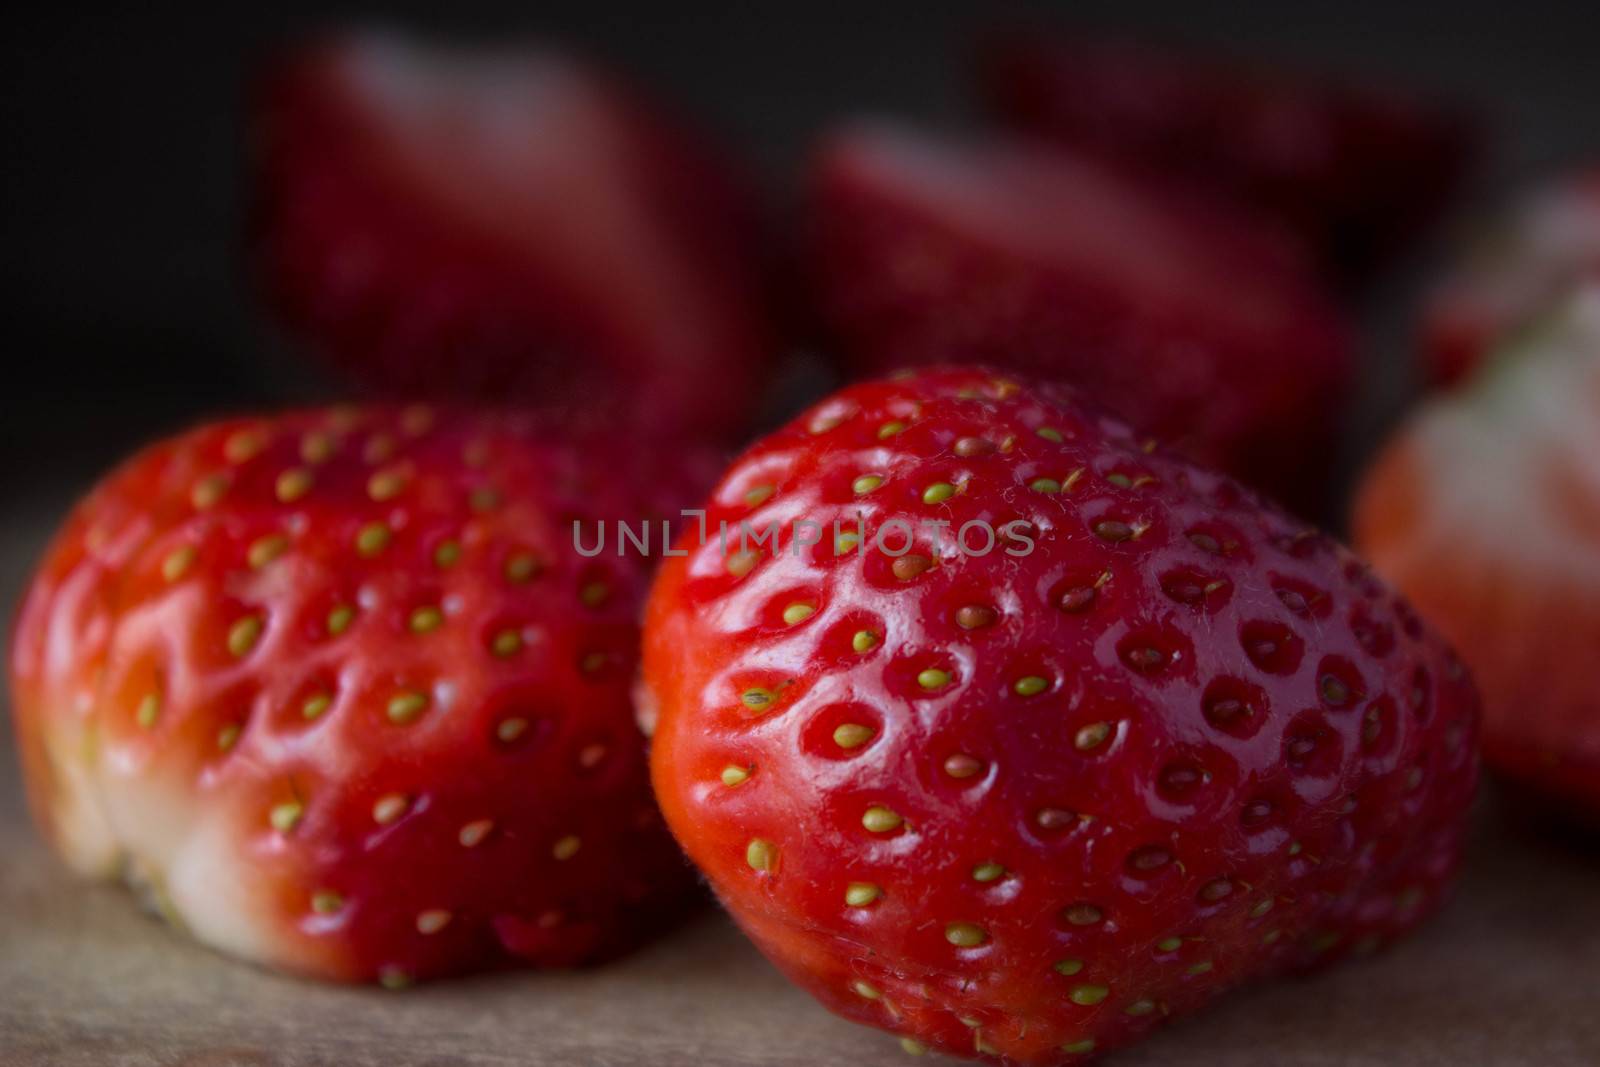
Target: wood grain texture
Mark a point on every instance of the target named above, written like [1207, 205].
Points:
[1509, 974]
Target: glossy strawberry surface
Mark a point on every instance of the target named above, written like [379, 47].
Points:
[1183, 316]
[1358, 170]
[335, 690]
[506, 221]
[1028, 803]
[1520, 265]
[1485, 509]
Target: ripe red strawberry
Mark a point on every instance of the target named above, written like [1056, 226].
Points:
[337, 690]
[1485, 510]
[1185, 318]
[1025, 805]
[1521, 266]
[1358, 170]
[505, 222]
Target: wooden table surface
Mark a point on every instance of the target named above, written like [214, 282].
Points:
[1509, 974]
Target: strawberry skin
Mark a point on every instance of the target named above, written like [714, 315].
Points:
[1184, 317]
[1358, 171]
[336, 691]
[1522, 265]
[1485, 510]
[1027, 805]
[448, 222]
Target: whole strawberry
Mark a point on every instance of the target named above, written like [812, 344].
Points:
[1521, 267]
[1358, 170]
[1110, 738]
[449, 221]
[1485, 510]
[336, 690]
[1178, 313]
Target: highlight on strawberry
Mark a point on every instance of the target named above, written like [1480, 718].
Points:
[333, 691]
[506, 222]
[1029, 803]
[1485, 510]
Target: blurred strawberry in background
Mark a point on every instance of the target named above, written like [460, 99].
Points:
[1358, 170]
[1518, 265]
[506, 224]
[1196, 322]
[1485, 510]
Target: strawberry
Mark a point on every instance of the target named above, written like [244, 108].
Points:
[1117, 737]
[443, 221]
[1485, 509]
[1515, 271]
[1181, 315]
[336, 691]
[1357, 170]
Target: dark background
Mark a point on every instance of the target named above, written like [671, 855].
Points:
[127, 311]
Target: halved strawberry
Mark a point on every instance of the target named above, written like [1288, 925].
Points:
[1358, 170]
[1054, 736]
[1190, 320]
[1485, 509]
[1515, 271]
[335, 688]
[506, 222]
